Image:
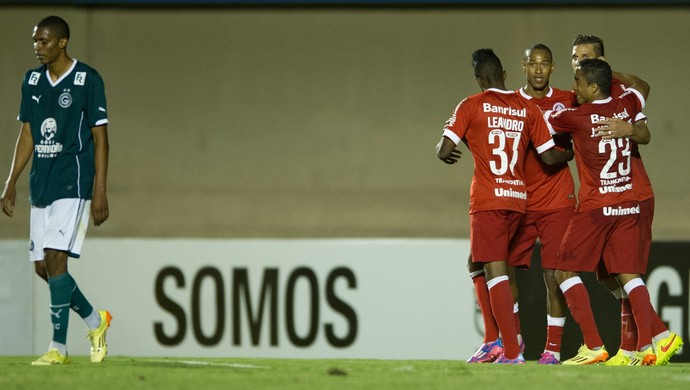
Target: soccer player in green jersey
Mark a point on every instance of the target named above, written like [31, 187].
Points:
[64, 127]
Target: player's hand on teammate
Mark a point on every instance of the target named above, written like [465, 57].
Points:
[614, 128]
[8, 196]
[453, 158]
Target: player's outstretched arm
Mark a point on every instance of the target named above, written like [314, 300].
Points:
[554, 156]
[447, 152]
[99, 203]
[22, 153]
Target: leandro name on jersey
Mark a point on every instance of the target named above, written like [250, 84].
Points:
[508, 124]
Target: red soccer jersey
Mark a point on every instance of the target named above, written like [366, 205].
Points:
[497, 126]
[549, 187]
[603, 166]
[643, 186]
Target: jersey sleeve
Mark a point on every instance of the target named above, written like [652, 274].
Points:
[96, 108]
[25, 100]
[635, 98]
[539, 134]
[456, 127]
[559, 121]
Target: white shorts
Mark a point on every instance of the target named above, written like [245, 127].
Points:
[60, 226]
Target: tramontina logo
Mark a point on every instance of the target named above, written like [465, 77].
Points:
[48, 148]
[65, 99]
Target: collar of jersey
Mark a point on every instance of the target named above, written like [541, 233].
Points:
[499, 90]
[603, 101]
[71, 68]
[528, 97]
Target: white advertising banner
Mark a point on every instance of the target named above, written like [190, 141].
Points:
[330, 298]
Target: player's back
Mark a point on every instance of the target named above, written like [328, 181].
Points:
[499, 128]
[603, 165]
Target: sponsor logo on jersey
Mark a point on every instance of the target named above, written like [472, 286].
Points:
[79, 78]
[47, 147]
[620, 184]
[65, 99]
[33, 79]
[37, 99]
[488, 107]
[510, 193]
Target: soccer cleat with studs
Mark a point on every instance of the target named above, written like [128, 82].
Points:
[487, 352]
[97, 337]
[587, 356]
[50, 358]
[667, 347]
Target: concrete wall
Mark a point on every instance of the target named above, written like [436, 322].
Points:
[322, 122]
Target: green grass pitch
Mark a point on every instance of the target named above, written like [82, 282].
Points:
[131, 373]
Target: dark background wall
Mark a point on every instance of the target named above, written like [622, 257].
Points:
[321, 122]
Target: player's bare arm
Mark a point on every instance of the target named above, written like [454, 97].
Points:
[618, 128]
[22, 153]
[633, 82]
[99, 203]
[554, 156]
[447, 152]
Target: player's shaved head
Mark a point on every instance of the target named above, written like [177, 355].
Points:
[597, 71]
[537, 46]
[487, 66]
[56, 25]
[596, 42]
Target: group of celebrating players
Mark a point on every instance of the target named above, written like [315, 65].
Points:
[522, 190]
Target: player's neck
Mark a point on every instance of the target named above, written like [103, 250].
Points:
[59, 67]
[536, 93]
[500, 86]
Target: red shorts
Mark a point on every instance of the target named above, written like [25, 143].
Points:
[645, 225]
[593, 236]
[546, 225]
[490, 234]
[646, 218]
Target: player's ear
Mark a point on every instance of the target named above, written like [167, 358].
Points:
[63, 43]
[523, 66]
[504, 75]
[595, 88]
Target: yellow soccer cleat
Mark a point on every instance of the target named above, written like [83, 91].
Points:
[587, 356]
[620, 359]
[97, 337]
[50, 358]
[667, 347]
[644, 358]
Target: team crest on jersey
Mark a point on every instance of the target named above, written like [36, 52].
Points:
[79, 78]
[558, 106]
[65, 99]
[33, 79]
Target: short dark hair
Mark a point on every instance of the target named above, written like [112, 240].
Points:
[538, 46]
[591, 40]
[597, 71]
[486, 65]
[56, 25]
